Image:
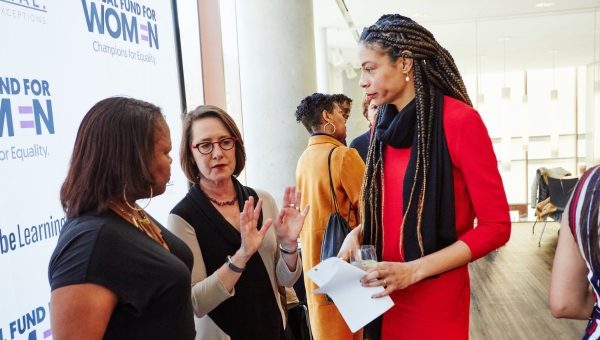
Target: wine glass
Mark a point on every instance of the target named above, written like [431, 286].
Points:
[364, 258]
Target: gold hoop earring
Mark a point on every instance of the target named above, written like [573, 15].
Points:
[136, 209]
[325, 128]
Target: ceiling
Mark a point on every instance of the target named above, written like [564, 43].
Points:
[511, 34]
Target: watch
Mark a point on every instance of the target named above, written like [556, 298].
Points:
[233, 266]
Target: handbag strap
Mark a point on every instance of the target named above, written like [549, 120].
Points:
[333, 198]
[350, 209]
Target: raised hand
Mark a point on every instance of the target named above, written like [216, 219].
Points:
[290, 220]
[252, 238]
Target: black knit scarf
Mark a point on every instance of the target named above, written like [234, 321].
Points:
[252, 313]
[438, 226]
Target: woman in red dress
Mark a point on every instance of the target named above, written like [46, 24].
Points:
[430, 169]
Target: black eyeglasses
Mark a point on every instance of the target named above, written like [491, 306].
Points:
[207, 147]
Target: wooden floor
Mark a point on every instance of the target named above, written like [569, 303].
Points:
[509, 290]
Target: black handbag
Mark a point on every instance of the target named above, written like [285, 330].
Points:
[337, 227]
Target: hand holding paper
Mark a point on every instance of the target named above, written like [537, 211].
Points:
[341, 281]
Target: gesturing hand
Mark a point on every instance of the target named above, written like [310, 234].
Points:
[252, 238]
[289, 221]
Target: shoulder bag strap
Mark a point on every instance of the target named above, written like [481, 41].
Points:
[333, 198]
[350, 209]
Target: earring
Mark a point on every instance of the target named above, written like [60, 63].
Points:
[325, 128]
[407, 78]
[136, 209]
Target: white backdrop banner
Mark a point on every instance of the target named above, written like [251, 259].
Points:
[58, 59]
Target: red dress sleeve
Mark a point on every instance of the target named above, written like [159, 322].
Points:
[480, 193]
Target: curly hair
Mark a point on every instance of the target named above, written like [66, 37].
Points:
[433, 68]
[341, 98]
[310, 110]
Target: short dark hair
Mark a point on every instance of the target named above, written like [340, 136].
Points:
[341, 98]
[310, 110]
[185, 152]
[114, 147]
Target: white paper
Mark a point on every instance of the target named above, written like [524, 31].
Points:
[341, 281]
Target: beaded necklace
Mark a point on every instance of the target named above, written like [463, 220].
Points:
[220, 204]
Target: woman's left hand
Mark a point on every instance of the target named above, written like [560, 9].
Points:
[290, 220]
[392, 276]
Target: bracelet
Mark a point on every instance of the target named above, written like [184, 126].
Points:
[233, 266]
[285, 251]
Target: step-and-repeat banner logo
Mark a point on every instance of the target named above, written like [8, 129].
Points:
[125, 21]
[28, 325]
[30, 11]
[65, 59]
[25, 105]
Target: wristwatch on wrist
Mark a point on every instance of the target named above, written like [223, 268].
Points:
[233, 266]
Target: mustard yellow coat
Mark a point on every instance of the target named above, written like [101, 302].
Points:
[347, 170]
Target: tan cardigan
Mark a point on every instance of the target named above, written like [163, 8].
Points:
[208, 291]
[347, 170]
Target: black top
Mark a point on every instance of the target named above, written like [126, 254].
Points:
[153, 284]
[361, 144]
[253, 312]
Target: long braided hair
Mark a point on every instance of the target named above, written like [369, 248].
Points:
[433, 67]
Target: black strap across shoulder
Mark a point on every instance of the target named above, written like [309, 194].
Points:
[333, 198]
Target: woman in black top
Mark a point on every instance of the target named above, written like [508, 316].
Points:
[237, 270]
[116, 273]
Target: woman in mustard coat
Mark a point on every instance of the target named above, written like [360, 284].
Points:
[326, 123]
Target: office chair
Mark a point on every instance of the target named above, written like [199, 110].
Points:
[560, 190]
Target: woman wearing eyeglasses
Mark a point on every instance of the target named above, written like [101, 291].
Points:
[239, 260]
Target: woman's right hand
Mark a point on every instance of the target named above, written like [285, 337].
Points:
[352, 241]
[252, 238]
